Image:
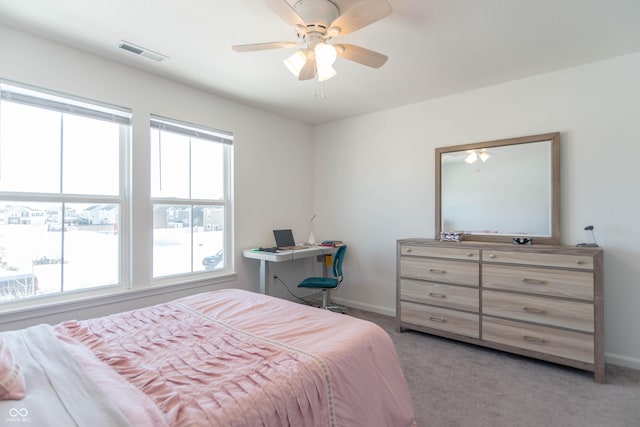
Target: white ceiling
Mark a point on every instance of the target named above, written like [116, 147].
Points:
[435, 47]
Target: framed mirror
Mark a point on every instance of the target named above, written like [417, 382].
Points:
[494, 191]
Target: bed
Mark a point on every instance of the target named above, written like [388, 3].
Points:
[221, 358]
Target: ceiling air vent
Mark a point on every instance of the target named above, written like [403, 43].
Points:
[141, 51]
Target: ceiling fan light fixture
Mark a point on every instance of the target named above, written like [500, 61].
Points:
[325, 54]
[295, 62]
[316, 22]
[484, 156]
[325, 72]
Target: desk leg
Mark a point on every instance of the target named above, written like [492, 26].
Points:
[265, 279]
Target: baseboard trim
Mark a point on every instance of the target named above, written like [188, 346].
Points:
[620, 360]
[366, 307]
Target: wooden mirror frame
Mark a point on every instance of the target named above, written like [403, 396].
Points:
[554, 238]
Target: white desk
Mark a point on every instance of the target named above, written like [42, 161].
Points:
[282, 256]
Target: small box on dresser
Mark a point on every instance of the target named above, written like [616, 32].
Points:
[541, 301]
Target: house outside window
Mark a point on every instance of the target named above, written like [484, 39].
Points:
[191, 198]
[62, 185]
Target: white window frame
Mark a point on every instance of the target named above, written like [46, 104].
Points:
[218, 136]
[64, 103]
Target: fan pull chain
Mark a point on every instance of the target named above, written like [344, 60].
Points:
[315, 93]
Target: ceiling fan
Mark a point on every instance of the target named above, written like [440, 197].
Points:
[316, 22]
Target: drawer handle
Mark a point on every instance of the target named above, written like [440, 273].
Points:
[579, 262]
[533, 281]
[534, 310]
[437, 295]
[534, 339]
[437, 270]
[492, 255]
[408, 250]
[470, 254]
[437, 319]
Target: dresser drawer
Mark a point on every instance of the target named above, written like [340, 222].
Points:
[532, 258]
[438, 294]
[535, 280]
[437, 270]
[546, 311]
[440, 252]
[442, 319]
[571, 345]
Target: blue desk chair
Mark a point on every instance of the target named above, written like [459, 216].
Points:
[328, 283]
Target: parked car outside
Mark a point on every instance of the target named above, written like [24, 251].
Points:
[211, 262]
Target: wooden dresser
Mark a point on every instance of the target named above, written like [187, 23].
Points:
[539, 301]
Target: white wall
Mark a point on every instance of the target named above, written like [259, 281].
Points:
[272, 154]
[382, 187]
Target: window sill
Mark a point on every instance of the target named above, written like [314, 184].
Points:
[57, 308]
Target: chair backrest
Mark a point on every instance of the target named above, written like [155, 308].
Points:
[337, 262]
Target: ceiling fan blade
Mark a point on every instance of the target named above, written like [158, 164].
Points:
[263, 46]
[361, 55]
[361, 15]
[287, 13]
[308, 70]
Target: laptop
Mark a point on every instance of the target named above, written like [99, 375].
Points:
[284, 240]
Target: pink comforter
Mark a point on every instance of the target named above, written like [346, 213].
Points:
[236, 358]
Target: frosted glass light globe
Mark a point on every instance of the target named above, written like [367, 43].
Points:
[325, 54]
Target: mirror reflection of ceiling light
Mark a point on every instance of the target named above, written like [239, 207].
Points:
[473, 156]
[484, 156]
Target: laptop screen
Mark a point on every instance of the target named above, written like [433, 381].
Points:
[283, 238]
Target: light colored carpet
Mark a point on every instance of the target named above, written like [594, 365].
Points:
[455, 384]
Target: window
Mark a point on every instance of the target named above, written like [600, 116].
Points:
[190, 192]
[62, 180]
